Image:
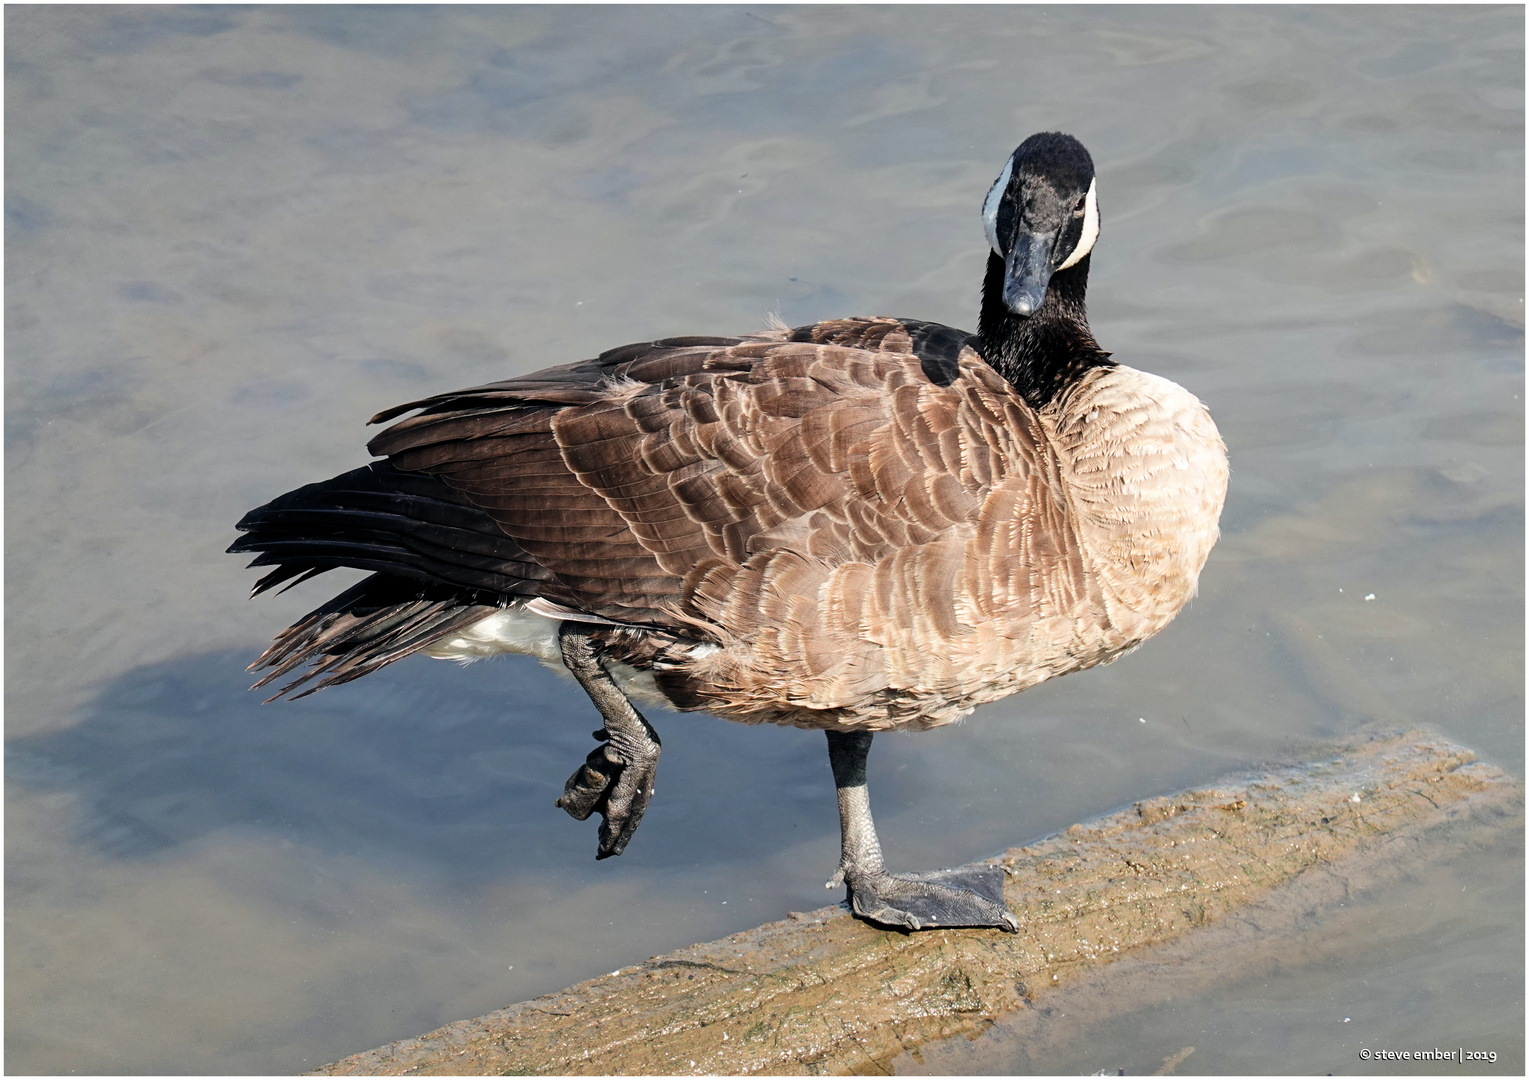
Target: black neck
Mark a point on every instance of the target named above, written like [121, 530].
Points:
[1044, 354]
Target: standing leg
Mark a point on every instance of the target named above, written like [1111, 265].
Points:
[617, 778]
[859, 849]
[965, 896]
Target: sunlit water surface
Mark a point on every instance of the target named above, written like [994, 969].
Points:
[235, 233]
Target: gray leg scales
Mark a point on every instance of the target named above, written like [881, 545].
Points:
[616, 779]
[964, 896]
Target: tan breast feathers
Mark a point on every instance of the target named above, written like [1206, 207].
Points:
[1146, 473]
[1061, 541]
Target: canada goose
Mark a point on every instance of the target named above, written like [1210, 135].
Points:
[857, 525]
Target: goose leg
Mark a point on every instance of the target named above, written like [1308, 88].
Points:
[966, 896]
[617, 778]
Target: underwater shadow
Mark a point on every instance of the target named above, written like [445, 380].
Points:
[453, 769]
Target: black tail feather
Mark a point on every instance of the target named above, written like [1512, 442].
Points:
[382, 519]
[372, 624]
[438, 563]
[282, 573]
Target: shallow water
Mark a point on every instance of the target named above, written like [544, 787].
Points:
[233, 234]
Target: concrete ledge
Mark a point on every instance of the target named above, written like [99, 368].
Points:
[823, 993]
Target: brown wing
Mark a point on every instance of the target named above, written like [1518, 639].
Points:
[805, 494]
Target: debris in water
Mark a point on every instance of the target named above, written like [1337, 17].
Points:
[1173, 1061]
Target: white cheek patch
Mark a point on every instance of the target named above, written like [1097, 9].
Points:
[1090, 227]
[990, 206]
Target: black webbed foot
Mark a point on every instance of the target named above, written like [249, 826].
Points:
[586, 789]
[617, 783]
[616, 779]
[965, 896]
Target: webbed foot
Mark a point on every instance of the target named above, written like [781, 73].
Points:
[617, 783]
[964, 896]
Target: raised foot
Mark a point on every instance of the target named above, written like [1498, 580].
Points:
[618, 785]
[965, 896]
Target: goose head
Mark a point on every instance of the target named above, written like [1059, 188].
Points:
[1041, 216]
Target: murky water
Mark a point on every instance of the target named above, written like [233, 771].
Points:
[233, 234]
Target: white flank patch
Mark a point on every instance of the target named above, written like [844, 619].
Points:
[511, 629]
[520, 629]
[1090, 227]
[990, 205]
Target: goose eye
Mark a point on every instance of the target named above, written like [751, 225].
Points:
[1077, 209]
